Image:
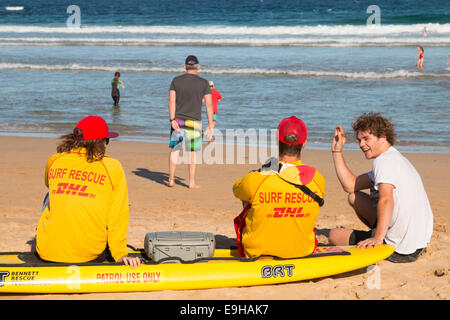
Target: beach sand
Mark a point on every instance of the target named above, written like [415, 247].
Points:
[155, 207]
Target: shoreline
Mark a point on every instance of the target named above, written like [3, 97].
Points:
[163, 139]
[155, 207]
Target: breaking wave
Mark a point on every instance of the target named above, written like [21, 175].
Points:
[398, 74]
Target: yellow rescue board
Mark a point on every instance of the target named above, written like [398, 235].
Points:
[18, 276]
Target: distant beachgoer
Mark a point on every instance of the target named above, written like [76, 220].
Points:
[448, 61]
[185, 111]
[216, 97]
[420, 56]
[86, 218]
[397, 210]
[115, 93]
[424, 31]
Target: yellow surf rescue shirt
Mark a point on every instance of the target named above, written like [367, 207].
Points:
[281, 218]
[88, 209]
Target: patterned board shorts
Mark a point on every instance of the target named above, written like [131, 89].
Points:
[191, 133]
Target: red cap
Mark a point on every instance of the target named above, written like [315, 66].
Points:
[94, 127]
[294, 126]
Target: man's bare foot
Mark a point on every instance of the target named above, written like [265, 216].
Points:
[171, 183]
[194, 186]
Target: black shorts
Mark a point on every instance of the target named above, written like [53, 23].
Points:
[104, 256]
[359, 235]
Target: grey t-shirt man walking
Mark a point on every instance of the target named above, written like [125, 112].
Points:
[185, 110]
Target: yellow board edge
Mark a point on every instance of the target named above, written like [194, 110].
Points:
[175, 276]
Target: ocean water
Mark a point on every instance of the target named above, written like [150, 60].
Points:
[320, 61]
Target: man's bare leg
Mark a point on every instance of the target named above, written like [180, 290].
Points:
[192, 170]
[366, 211]
[173, 159]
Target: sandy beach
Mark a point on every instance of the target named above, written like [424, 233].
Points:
[155, 207]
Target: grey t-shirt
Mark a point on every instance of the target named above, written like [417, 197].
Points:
[190, 89]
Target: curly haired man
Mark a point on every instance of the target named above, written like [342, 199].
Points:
[397, 210]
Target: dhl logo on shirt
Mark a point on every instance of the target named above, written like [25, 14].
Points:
[288, 212]
[73, 189]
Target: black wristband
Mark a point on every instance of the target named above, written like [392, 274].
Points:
[172, 119]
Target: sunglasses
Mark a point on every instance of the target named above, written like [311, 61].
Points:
[107, 141]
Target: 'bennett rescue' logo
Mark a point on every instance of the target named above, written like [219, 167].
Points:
[3, 275]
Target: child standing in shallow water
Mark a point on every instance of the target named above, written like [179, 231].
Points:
[420, 55]
[115, 93]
